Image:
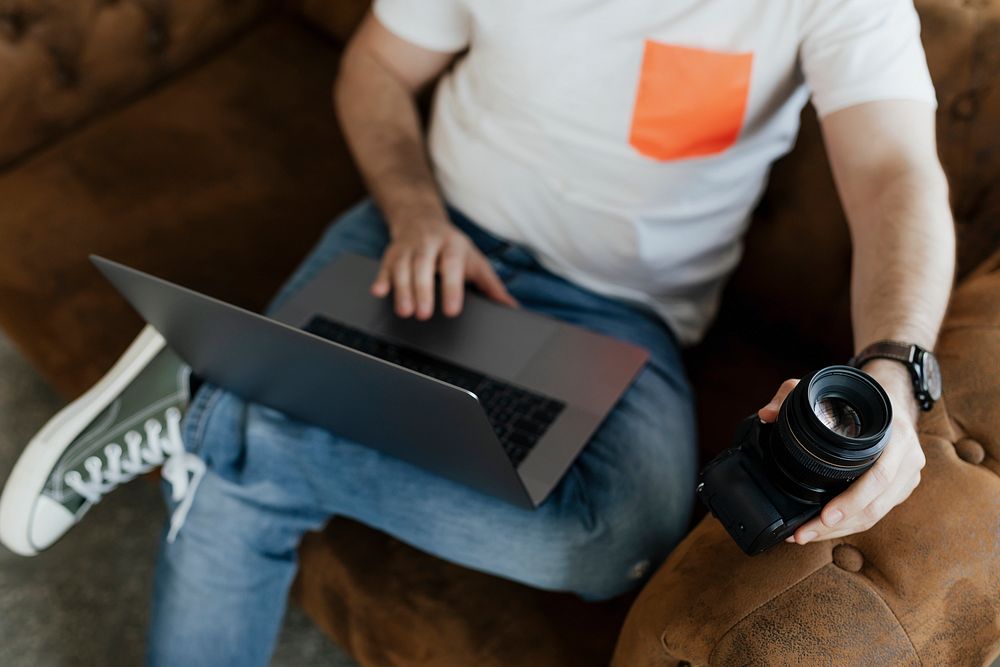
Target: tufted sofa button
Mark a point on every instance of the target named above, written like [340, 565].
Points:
[13, 26]
[847, 557]
[67, 74]
[965, 106]
[970, 451]
[156, 36]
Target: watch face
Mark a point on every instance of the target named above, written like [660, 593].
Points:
[932, 376]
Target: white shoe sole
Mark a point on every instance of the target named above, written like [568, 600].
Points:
[24, 486]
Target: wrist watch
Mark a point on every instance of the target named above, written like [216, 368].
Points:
[923, 367]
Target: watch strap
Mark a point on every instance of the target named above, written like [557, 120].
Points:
[905, 353]
[886, 349]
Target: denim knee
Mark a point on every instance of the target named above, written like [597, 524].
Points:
[608, 551]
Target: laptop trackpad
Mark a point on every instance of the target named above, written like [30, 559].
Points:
[492, 339]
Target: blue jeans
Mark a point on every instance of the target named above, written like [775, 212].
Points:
[221, 586]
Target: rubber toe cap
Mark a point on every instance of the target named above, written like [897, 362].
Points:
[49, 522]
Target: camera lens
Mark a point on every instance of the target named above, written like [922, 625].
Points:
[831, 428]
[838, 415]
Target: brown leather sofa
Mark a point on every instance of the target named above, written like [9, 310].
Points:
[194, 139]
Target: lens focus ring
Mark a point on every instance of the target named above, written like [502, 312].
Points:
[810, 462]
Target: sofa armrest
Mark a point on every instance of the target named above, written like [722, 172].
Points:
[918, 588]
[62, 62]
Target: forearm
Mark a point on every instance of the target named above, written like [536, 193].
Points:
[904, 249]
[381, 123]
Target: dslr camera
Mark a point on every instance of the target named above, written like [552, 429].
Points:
[831, 428]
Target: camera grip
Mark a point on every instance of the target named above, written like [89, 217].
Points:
[730, 490]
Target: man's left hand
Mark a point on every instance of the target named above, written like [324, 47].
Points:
[887, 483]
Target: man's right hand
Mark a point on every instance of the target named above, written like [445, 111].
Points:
[419, 251]
[380, 76]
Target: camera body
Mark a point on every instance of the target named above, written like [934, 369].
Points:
[830, 430]
[738, 490]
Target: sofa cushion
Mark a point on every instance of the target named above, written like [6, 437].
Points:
[390, 605]
[61, 62]
[220, 180]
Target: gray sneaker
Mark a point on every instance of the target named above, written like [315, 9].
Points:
[125, 425]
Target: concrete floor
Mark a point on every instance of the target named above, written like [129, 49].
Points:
[84, 602]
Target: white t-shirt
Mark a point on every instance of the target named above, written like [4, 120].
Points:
[626, 142]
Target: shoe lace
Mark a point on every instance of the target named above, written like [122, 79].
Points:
[181, 469]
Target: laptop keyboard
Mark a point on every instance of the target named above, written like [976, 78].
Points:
[519, 417]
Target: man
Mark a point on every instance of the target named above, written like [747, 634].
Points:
[596, 161]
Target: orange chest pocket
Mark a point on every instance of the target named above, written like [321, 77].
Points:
[690, 102]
